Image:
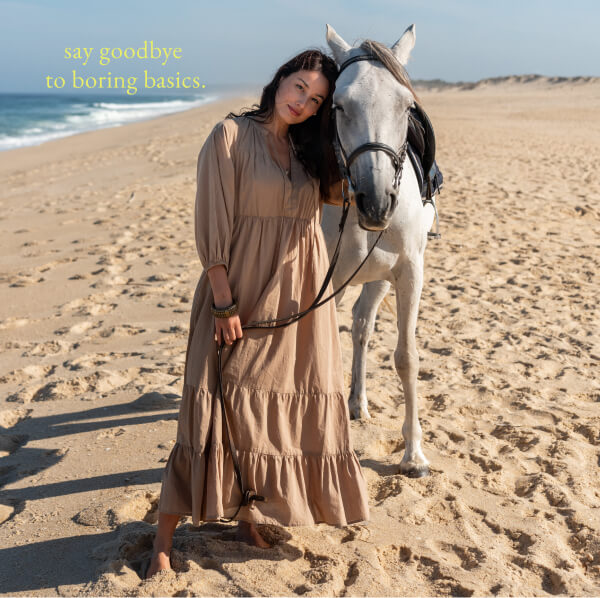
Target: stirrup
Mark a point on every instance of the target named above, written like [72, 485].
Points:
[436, 234]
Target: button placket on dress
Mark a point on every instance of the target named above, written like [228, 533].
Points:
[291, 190]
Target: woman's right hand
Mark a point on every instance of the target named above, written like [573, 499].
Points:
[228, 329]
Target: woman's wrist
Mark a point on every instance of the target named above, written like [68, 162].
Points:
[225, 312]
[222, 302]
[217, 276]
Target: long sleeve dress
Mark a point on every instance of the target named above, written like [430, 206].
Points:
[283, 388]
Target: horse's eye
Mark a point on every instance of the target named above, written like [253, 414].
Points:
[337, 107]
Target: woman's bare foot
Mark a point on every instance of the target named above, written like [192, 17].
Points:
[159, 562]
[248, 533]
[161, 547]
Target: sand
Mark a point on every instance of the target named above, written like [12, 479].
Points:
[98, 267]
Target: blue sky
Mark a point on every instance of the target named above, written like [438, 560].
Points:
[239, 43]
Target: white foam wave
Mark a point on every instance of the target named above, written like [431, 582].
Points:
[175, 104]
[8, 142]
[99, 115]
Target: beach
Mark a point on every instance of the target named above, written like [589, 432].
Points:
[98, 270]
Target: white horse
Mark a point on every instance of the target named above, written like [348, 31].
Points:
[373, 107]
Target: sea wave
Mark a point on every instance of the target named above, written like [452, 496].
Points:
[78, 116]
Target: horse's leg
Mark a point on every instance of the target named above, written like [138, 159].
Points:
[363, 321]
[339, 296]
[408, 293]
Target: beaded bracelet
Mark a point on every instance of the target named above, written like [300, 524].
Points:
[224, 312]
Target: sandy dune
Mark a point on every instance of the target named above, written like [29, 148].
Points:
[97, 271]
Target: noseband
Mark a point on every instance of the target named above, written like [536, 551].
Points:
[345, 161]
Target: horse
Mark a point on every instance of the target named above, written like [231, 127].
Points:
[371, 103]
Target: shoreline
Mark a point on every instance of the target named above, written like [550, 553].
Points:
[108, 100]
[103, 138]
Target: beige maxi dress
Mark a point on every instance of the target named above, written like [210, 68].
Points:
[284, 389]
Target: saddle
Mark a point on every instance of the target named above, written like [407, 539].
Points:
[421, 151]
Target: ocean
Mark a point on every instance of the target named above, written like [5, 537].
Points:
[31, 119]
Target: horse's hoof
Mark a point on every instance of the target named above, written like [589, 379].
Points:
[416, 472]
[360, 415]
[358, 412]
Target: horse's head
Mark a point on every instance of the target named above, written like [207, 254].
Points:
[371, 102]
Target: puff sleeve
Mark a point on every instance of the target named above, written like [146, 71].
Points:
[215, 196]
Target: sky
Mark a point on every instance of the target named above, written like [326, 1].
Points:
[242, 43]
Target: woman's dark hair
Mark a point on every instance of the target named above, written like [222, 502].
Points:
[313, 137]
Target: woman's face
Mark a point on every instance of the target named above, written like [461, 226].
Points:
[300, 95]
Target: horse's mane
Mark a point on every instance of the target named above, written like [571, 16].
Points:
[387, 58]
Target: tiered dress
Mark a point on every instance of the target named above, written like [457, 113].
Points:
[284, 388]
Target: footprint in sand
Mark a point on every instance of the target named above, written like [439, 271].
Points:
[385, 488]
[321, 568]
[439, 401]
[518, 436]
[101, 381]
[79, 276]
[52, 347]
[28, 373]
[94, 360]
[139, 507]
[443, 511]
[121, 330]
[521, 540]
[488, 465]
[550, 580]
[95, 309]
[542, 485]
[590, 431]
[177, 331]
[78, 328]
[52, 265]
[437, 577]
[425, 374]
[443, 577]
[469, 557]
[384, 446]
[390, 557]
[24, 280]
[355, 532]
[486, 519]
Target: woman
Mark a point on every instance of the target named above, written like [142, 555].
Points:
[262, 178]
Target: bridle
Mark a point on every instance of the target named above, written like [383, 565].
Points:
[344, 163]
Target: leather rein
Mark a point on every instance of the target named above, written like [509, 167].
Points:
[344, 163]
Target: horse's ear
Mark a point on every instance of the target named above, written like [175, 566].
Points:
[338, 46]
[403, 47]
